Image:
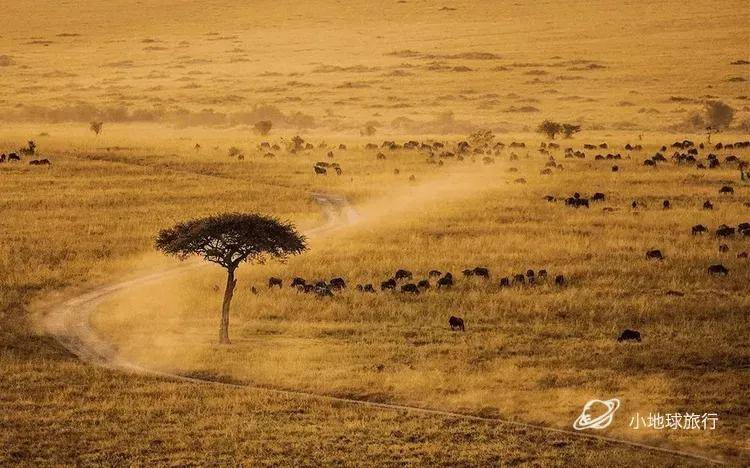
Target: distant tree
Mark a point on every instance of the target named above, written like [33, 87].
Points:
[481, 137]
[297, 143]
[96, 127]
[549, 128]
[568, 130]
[228, 240]
[718, 114]
[263, 127]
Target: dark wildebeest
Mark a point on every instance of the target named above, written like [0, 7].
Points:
[530, 273]
[742, 255]
[718, 270]
[743, 227]
[368, 288]
[424, 284]
[615, 168]
[434, 273]
[698, 229]
[666, 205]
[542, 274]
[3, 157]
[598, 196]
[468, 272]
[560, 280]
[338, 170]
[654, 255]
[726, 190]
[389, 284]
[445, 281]
[725, 231]
[723, 248]
[40, 162]
[482, 272]
[504, 282]
[323, 292]
[456, 323]
[272, 281]
[629, 335]
[519, 279]
[253, 290]
[297, 281]
[13, 157]
[410, 288]
[402, 274]
[338, 283]
[320, 170]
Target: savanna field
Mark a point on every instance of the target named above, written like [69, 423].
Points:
[152, 113]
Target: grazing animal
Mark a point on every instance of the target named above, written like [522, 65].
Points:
[423, 284]
[615, 168]
[666, 205]
[707, 205]
[297, 281]
[468, 272]
[402, 274]
[598, 196]
[482, 272]
[542, 274]
[654, 255]
[726, 190]
[338, 283]
[629, 335]
[369, 288]
[560, 280]
[725, 231]
[320, 170]
[434, 273]
[388, 284]
[519, 279]
[253, 290]
[456, 323]
[718, 270]
[742, 255]
[273, 281]
[410, 288]
[698, 229]
[446, 281]
[504, 282]
[530, 273]
[40, 162]
[672, 292]
[13, 157]
[723, 248]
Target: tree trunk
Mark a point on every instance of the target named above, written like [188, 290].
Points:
[228, 292]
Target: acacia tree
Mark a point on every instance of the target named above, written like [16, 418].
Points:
[549, 128]
[569, 130]
[228, 240]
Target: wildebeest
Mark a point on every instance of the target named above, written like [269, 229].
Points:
[338, 170]
[629, 335]
[666, 205]
[542, 274]
[402, 274]
[297, 281]
[654, 255]
[560, 280]
[725, 231]
[445, 281]
[577, 202]
[423, 284]
[742, 255]
[482, 272]
[434, 273]
[707, 205]
[273, 281]
[254, 290]
[368, 288]
[13, 157]
[388, 284]
[615, 168]
[519, 279]
[410, 288]
[726, 190]
[456, 323]
[320, 170]
[40, 162]
[338, 283]
[598, 196]
[723, 248]
[718, 270]
[504, 282]
[698, 229]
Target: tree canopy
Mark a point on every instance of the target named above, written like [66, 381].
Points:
[232, 238]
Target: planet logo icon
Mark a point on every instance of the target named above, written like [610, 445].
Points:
[597, 414]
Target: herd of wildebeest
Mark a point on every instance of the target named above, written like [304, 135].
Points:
[684, 153]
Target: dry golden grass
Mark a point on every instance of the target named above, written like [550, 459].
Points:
[165, 76]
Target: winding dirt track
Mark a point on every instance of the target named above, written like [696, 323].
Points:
[69, 322]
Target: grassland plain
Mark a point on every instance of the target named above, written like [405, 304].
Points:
[167, 76]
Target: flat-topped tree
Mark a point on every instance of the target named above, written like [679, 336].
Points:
[228, 240]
